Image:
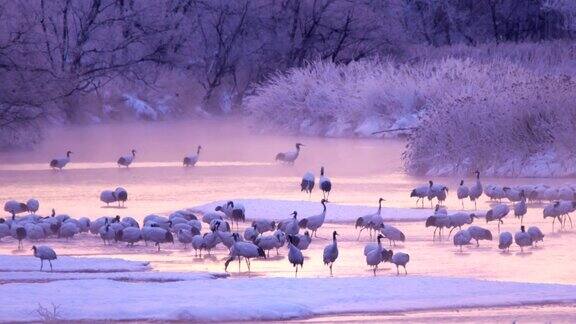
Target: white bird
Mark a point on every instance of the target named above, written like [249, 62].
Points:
[303, 240]
[307, 183]
[18, 232]
[269, 242]
[251, 233]
[438, 191]
[210, 216]
[495, 192]
[513, 194]
[553, 210]
[44, 253]
[522, 238]
[392, 234]
[504, 241]
[185, 237]
[238, 213]
[520, 208]
[375, 254]
[566, 193]
[497, 213]
[244, 249]
[400, 259]
[126, 160]
[191, 160]
[264, 225]
[13, 207]
[462, 192]
[130, 235]
[295, 256]
[458, 220]
[4, 228]
[159, 235]
[313, 223]
[108, 197]
[371, 221]
[421, 192]
[331, 252]
[289, 157]
[551, 194]
[60, 162]
[121, 195]
[535, 234]
[290, 226]
[198, 243]
[439, 222]
[478, 233]
[107, 234]
[325, 184]
[34, 232]
[476, 190]
[210, 241]
[461, 238]
[68, 230]
[33, 205]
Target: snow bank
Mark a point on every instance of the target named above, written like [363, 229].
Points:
[265, 298]
[71, 264]
[281, 209]
[147, 276]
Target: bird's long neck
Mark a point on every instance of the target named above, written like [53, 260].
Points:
[324, 208]
[198, 151]
[379, 207]
[68, 154]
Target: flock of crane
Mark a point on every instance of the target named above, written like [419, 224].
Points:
[265, 235]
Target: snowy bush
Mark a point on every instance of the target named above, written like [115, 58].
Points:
[518, 124]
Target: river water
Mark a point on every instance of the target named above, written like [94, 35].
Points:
[236, 163]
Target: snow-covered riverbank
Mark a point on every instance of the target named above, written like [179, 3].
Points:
[186, 297]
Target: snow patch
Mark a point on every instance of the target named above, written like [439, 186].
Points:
[336, 213]
[70, 264]
[266, 298]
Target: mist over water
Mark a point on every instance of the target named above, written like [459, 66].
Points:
[237, 163]
[233, 163]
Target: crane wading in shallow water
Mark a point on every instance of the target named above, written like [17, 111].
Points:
[192, 159]
[331, 252]
[325, 184]
[289, 157]
[61, 162]
[126, 160]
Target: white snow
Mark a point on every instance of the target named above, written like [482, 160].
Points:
[336, 213]
[129, 276]
[264, 298]
[70, 264]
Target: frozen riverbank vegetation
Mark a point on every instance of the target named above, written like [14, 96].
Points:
[506, 110]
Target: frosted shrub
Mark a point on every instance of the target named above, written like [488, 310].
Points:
[518, 125]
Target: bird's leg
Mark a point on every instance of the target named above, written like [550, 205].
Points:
[41, 264]
[397, 270]
[239, 263]
[475, 206]
[331, 270]
[570, 219]
[477, 243]
[360, 233]
[405, 271]
[462, 203]
[450, 233]
[49, 261]
[434, 234]
[460, 248]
